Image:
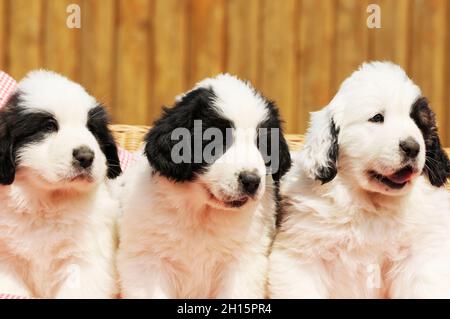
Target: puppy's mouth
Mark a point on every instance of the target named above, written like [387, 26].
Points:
[227, 202]
[397, 180]
[83, 177]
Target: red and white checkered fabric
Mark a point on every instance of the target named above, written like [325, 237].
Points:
[7, 87]
[126, 158]
[8, 296]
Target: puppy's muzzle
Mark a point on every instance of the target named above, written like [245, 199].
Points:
[410, 148]
[83, 157]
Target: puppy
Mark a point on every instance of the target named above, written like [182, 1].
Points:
[56, 214]
[365, 212]
[200, 226]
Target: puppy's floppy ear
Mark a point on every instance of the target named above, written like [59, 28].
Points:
[321, 150]
[158, 150]
[7, 152]
[7, 157]
[284, 156]
[437, 164]
[285, 159]
[159, 141]
[98, 125]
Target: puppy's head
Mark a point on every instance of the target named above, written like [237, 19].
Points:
[224, 136]
[55, 135]
[378, 132]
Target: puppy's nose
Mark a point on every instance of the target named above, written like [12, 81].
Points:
[249, 182]
[83, 156]
[410, 147]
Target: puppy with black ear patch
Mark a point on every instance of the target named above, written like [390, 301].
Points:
[201, 227]
[57, 217]
[367, 214]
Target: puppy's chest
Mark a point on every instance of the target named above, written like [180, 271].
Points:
[359, 256]
[363, 266]
[198, 256]
[43, 247]
[195, 264]
[366, 272]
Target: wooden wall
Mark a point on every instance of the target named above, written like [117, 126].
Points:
[136, 55]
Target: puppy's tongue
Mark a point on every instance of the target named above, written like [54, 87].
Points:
[401, 176]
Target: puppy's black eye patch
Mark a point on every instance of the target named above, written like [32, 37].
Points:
[31, 127]
[50, 125]
[209, 135]
[20, 126]
[379, 118]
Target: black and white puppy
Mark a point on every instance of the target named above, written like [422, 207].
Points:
[56, 214]
[367, 213]
[199, 210]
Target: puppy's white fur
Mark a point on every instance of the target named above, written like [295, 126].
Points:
[178, 242]
[353, 237]
[56, 235]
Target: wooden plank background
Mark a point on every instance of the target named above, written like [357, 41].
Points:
[136, 55]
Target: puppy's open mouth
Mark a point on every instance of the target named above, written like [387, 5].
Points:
[397, 180]
[231, 203]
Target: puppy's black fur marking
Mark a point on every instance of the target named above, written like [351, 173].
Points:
[7, 160]
[284, 206]
[327, 173]
[437, 164]
[284, 159]
[19, 127]
[98, 125]
[195, 105]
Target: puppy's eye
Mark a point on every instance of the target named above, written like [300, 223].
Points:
[379, 118]
[50, 126]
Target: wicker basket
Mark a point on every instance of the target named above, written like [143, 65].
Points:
[130, 137]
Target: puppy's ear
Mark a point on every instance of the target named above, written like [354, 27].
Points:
[158, 150]
[284, 156]
[437, 164]
[176, 121]
[285, 159]
[98, 125]
[7, 152]
[321, 150]
[7, 158]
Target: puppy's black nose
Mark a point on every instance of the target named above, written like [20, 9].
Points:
[410, 147]
[83, 156]
[249, 182]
